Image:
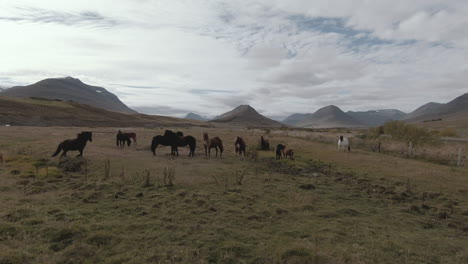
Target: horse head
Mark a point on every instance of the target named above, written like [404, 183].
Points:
[341, 138]
[180, 134]
[86, 135]
[205, 136]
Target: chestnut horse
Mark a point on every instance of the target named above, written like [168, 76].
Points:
[289, 153]
[210, 143]
[239, 145]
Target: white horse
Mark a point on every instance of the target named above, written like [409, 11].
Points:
[343, 144]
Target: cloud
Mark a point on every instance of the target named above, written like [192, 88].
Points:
[45, 16]
[210, 56]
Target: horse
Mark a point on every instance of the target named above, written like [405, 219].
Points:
[184, 141]
[239, 145]
[121, 138]
[265, 145]
[280, 151]
[210, 143]
[74, 144]
[168, 139]
[343, 143]
[289, 153]
[174, 140]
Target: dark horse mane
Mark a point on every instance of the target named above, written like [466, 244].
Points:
[174, 140]
[74, 144]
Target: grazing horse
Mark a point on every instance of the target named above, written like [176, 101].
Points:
[168, 139]
[174, 140]
[121, 138]
[343, 143]
[264, 143]
[184, 141]
[239, 145]
[210, 143]
[289, 153]
[74, 144]
[280, 151]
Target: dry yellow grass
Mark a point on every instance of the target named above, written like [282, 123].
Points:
[364, 208]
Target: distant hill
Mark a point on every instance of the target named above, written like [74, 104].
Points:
[70, 89]
[455, 109]
[377, 117]
[326, 117]
[424, 110]
[245, 115]
[194, 116]
[46, 112]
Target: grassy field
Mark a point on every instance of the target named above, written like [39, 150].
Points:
[322, 207]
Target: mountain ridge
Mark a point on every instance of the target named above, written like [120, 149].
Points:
[73, 89]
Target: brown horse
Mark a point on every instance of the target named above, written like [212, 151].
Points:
[289, 153]
[265, 145]
[239, 145]
[210, 143]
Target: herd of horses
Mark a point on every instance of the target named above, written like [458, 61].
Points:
[177, 139]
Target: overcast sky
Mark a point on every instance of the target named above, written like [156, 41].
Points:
[281, 57]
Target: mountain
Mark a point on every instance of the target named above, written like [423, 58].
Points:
[427, 109]
[70, 89]
[245, 115]
[376, 117]
[295, 119]
[46, 112]
[326, 117]
[194, 116]
[455, 109]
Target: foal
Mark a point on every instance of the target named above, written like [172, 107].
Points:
[289, 153]
[210, 143]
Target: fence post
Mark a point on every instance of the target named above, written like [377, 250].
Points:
[459, 156]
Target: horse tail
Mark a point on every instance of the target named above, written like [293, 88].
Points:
[154, 144]
[221, 148]
[59, 148]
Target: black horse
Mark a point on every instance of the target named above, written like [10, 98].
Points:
[184, 141]
[174, 140]
[265, 145]
[74, 144]
[240, 146]
[121, 138]
[280, 151]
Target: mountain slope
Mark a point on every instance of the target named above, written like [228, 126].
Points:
[45, 112]
[326, 117]
[245, 115]
[376, 117]
[70, 89]
[455, 109]
[194, 116]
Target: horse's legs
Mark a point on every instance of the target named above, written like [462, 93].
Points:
[216, 148]
[206, 152]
